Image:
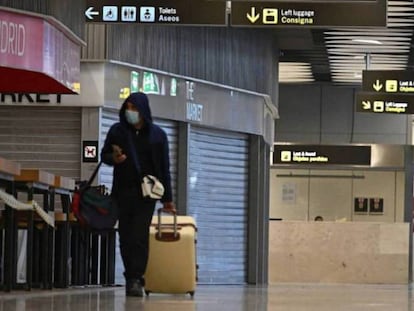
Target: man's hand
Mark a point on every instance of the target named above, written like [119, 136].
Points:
[169, 207]
[117, 155]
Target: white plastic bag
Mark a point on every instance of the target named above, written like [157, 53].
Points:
[152, 187]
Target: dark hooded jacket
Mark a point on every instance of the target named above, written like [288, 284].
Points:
[128, 174]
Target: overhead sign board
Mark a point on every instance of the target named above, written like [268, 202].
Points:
[321, 154]
[388, 81]
[384, 103]
[309, 14]
[171, 12]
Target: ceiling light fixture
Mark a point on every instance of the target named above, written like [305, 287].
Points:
[369, 41]
[290, 72]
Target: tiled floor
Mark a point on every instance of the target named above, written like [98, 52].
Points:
[286, 297]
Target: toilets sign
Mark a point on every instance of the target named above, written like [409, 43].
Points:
[175, 12]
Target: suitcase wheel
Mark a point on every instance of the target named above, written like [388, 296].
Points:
[147, 292]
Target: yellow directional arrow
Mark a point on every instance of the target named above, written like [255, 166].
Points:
[253, 17]
[366, 104]
[377, 86]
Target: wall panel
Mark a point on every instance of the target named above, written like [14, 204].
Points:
[289, 197]
[323, 113]
[302, 194]
[330, 197]
[70, 13]
[243, 58]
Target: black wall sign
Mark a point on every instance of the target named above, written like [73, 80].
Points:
[171, 12]
[388, 81]
[384, 103]
[90, 152]
[309, 14]
[376, 205]
[321, 154]
[361, 205]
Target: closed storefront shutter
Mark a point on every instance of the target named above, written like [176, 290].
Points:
[44, 138]
[171, 129]
[47, 138]
[218, 198]
[108, 118]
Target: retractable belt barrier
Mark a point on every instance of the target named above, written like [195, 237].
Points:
[31, 206]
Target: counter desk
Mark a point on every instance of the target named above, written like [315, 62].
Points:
[339, 252]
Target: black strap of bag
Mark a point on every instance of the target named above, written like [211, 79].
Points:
[91, 179]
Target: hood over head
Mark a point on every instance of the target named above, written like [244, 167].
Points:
[141, 102]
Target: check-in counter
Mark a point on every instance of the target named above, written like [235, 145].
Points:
[338, 252]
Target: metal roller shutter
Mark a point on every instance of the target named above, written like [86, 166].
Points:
[45, 138]
[171, 129]
[218, 198]
[48, 138]
[109, 117]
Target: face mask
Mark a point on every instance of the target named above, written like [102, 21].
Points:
[132, 116]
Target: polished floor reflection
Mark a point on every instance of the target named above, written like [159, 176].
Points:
[286, 297]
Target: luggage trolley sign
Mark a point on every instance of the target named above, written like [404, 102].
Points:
[309, 14]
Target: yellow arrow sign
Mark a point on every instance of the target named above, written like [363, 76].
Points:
[366, 104]
[377, 86]
[253, 17]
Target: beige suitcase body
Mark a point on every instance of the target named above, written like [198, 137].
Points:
[172, 259]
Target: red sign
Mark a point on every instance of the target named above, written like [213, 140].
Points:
[36, 55]
[21, 41]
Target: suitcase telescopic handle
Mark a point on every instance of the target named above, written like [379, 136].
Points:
[174, 213]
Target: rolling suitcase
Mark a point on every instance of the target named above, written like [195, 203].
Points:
[172, 255]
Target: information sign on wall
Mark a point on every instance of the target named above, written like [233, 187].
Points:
[376, 206]
[90, 151]
[361, 205]
[321, 154]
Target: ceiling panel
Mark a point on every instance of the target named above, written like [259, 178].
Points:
[339, 55]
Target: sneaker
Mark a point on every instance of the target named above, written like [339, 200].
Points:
[134, 288]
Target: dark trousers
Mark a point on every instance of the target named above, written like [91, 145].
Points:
[135, 216]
